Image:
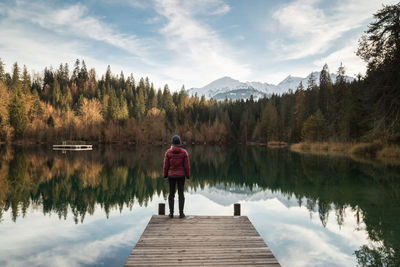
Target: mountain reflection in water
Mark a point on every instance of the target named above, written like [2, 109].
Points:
[36, 178]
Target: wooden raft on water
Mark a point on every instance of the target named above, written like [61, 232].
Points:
[201, 240]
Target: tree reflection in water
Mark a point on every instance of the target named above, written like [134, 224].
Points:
[113, 178]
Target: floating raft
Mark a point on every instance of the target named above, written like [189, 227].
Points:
[72, 147]
[201, 240]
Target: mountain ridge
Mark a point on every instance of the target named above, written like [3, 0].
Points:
[227, 87]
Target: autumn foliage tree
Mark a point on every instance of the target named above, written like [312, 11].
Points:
[77, 105]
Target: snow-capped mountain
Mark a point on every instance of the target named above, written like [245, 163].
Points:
[291, 82]
[228, 195]
[226, 87]
[229, 88]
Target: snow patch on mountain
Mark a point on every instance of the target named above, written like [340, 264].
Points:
[220, 86]
[228, 88]
[228, 195]
[291, 82]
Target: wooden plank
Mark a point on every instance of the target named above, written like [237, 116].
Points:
[201, 240]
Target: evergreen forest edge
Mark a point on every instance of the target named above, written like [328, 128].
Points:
[60, 106]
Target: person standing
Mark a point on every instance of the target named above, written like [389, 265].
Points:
[176, 171]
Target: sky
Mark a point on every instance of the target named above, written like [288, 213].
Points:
[188, 42]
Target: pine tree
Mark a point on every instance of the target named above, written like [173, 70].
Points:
[159, 98]
[268, 123]
[75, 72]
[152, 99]
[108, 76]
[83, 77]
[92, 87]
[123, 111]
[131, 109]
[56, 94]
[113, 108]
[48, 80]
[340, 78]
[300, 112]
[132, 81]
[147, 85]
[314, 128]
[311, 81]
[325, 89]
[381, 43]
[67, 98]
[121, 81]
[380, 48]
[169, 107]
[65, 76]
[17, 115]
[16, 85]
[181, 105]
[139, 105]
[339, 96]
[26, 81]
[37, 107]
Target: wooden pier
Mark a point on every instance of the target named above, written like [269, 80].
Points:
[201, 240]
[72, 147]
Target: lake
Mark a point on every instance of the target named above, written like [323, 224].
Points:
[89, 208]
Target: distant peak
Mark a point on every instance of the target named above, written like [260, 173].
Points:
[291, 77]
[225, 78]
[288, 78]
[227, 87]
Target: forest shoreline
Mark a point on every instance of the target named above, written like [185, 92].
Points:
[372, 152]
[386, 153]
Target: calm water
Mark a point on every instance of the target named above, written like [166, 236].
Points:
[90, 208]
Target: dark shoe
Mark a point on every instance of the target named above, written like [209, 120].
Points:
[182, 215]
[171, 215]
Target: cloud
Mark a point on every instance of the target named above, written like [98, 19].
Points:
[75, 21]
[204, 7]
[298, 240]
[184, 47]
[199, 54]
[346, 55]
[131, 3]
[153, 20]
[316, 247]
[40, 35]
[49, 241]
[309, 29]
[185, 42]
[223, 9]
[35, 52]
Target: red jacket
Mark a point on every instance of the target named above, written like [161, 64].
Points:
[176, 162]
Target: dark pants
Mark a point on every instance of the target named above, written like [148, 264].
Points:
[173, 181]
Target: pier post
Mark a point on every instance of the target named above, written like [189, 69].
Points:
[161, 208]
[236, 209]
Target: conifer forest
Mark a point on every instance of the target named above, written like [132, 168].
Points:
[76, 103]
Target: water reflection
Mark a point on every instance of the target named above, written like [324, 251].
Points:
[111, 177]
